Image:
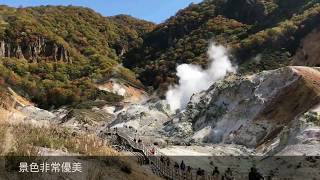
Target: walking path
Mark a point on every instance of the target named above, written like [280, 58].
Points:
[161, 164]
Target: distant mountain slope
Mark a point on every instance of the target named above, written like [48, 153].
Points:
[70, 28]
[262, 35]
[53, 54]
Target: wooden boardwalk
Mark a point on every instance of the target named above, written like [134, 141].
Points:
[161, 164]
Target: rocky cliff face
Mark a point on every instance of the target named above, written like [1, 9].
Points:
[123, 88]
[250, 110]
[29, 131]
[147, 118]
[34, 50]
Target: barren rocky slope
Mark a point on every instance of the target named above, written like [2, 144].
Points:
[26, 130]
[239, 122]
[253, 111]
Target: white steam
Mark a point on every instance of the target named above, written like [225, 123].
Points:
[194, 79]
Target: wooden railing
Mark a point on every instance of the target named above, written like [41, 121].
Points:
[163, 168]
[159, 161]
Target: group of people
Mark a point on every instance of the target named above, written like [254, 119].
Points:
[200, 173]
[227, 175]
[255, 175]
[138, 141]
[165, 160]
[216, 175]
[182, 166]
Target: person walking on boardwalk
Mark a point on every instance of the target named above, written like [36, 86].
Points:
[140, 143]
[202, 174]
[176, 165]
[199, 172]
[168, 161]
[152, 151]
[161, 159]
[182, 166]
[228, 175]
[176, 169]
[188, 174]
[255, 175]
[188, 169]
[215, 173]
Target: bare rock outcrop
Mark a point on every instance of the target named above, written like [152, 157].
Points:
[34, 50]
[248, 110]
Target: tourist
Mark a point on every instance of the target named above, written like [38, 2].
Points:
[188, 169]
[176, 165]
[202, 172]
[182, 166]
[176, 169]
[255, 175]
[228, 174]
[199, 173]
[215, 173]
[152, 151]
[161, 159]
[187, 173]
[168, 161]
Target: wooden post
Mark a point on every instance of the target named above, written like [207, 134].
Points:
[161, 166]
[177, 173]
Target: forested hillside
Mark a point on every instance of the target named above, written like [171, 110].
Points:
[261, 35]
[53, 54]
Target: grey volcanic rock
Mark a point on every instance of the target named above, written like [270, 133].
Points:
[38, 114]
[147, 119]
[248, 110]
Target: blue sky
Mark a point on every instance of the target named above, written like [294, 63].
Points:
[151, 10]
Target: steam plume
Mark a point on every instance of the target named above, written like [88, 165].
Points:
[194, 79]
